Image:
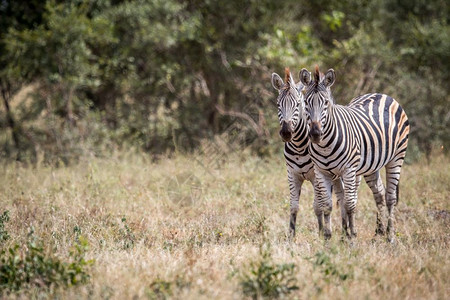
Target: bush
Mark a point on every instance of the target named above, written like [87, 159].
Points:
[3, 219]
[162, 289]
[34, 266]
[328, 268]
[266, 279]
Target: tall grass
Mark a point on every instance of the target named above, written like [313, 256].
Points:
[177, 229]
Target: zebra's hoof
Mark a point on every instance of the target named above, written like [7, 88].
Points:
[291, 237]
[380, 232]
[291, 233]
[391, 240]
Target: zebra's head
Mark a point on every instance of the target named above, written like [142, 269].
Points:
[318, 99]
[290, 103]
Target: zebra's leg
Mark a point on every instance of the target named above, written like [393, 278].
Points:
[323, 203]
[393, 169]
[376, 185]
[327, 221]
[344, 216]
[320, 221]
[338, 187]
[358, 183]
[295, 186]
[351, 182]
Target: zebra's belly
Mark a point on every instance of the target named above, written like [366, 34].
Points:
[331, 172]
[371, 162]
[304, 171]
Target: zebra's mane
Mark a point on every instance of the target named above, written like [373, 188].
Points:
[317, 76]
[287, 76]
[318, 80]
[318, 85]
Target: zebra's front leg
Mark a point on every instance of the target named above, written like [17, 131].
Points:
[295, 187]
[323, 203]
[351, 183]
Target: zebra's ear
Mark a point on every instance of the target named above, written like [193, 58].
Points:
[277, 82]
[300, 88]
[305, 77]
[329, 79]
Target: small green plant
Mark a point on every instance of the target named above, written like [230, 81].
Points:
[32, 265]
[267, 279]
[4, 218]
[127, 237]
[162, 289]
[330, 271]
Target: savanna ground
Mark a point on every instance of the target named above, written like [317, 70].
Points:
[177, 229]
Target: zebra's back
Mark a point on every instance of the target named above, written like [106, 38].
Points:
[381, 128]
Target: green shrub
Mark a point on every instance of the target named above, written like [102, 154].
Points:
[32, 265]
[162, 289]
[267, 279]
[3, 219]
[329, 269]
[126, 236]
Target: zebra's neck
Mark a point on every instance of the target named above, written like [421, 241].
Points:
[330, 133]
[300, 140]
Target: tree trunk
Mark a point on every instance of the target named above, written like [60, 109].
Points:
[213, 119]
[6, 95]
[69, 105]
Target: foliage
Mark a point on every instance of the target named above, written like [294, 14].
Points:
[32, 265]
[127, 237]
[330, 270]
[4, 218]
[267, 279]
[162, 289]
[166, 75]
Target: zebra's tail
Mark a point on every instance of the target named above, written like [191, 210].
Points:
[337, 198]
[397, 194]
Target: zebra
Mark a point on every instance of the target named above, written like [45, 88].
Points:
[294, 132]
[350, 141]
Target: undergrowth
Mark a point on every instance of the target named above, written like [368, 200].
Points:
[33, 265]
[4, 218]
[264, 278]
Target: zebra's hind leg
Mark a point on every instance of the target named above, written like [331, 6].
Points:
[295, 186]
[393, 169]
[376, 185]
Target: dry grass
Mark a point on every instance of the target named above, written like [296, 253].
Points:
[176, 229]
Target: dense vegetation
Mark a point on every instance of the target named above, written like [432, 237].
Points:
[85, 77]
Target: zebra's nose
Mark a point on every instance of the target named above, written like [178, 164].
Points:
[315, 132]
[286, 131]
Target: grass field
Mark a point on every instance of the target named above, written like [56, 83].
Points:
[177, 229]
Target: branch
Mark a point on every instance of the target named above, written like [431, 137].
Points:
[241, 115]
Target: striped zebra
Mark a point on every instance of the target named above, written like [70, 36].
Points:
[350, 141]
[294, 132]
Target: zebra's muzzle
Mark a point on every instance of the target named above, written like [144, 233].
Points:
[286, 131]
[315, 132]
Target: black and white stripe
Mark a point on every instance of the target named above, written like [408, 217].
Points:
[348, 141]
[294, 132]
